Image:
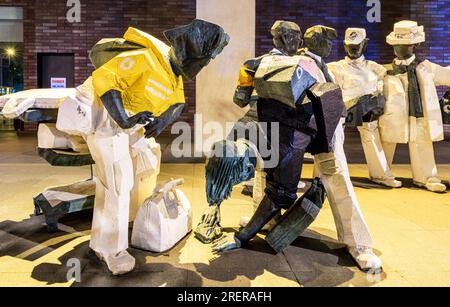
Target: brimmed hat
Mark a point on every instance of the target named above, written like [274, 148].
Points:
[355, 36]
[406, 32]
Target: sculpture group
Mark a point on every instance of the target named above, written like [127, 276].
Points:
[137, 90]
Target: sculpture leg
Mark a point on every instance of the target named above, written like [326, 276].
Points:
[258, 196]
[423, 162]
[114, 180]
[379, 170]
[351, 226]
[281, 181]
[146, 157]
[266, 211]
[389, 151]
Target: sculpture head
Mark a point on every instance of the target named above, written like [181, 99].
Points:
[356, 42]
[404, 52]
[319, 40]
[407, 35]
[287, 36]
[194, 46]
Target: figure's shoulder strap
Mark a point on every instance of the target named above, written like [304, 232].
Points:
[107, 49]
[253, 64]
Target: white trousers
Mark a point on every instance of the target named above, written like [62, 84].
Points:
[125, 174]
[379, 167]
[351, 227]
[421, 151]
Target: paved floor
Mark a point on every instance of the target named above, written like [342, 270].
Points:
[411, 228]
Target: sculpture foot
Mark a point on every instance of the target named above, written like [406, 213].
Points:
[433, 185]
[119, 264]
[390, 182]
[366, 259]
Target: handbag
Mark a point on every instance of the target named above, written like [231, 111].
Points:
[164, 219]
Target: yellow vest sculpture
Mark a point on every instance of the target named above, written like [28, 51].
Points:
[128, 101]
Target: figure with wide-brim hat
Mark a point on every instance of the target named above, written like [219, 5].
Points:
[412, 114]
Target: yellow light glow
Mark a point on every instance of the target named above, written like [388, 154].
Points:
[11, 52]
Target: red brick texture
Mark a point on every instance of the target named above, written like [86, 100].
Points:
[47, 30]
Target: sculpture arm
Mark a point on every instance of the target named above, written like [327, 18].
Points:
[441, 74]
[246, 85]
[381, 72]
[335, 72]
[244, 90]
[112, 101]
[157, 126]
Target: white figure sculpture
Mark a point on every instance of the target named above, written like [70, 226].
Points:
[135, 92]
[413, 114]
[333, 168]
[137, 89]
[361, 82]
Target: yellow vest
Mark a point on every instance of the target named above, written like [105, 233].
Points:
[144, 77]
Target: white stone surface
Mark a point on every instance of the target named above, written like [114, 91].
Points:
[217, 83]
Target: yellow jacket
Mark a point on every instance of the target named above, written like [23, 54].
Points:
[144, 77]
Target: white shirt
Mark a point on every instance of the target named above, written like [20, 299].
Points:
[357, 78]
[396, 126]
[405, 62]
[318, 73]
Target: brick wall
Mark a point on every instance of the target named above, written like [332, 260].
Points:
[46, 28]
[341, 14]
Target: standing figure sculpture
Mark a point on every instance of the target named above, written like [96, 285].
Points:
[361, 82]
[413, 115]
[306, 114]
[333, 167]
[300, 130]
[138, 91]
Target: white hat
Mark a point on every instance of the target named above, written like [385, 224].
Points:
[406, 32]
[355, 36]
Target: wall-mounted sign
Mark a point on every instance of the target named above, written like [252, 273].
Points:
[58, 82]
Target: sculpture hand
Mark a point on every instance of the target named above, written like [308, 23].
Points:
[211, 217]
[445, 101]
[226, 243]
[151, 130]
[142, 118]
[447, 95]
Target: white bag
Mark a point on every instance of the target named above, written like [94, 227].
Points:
[164, 220]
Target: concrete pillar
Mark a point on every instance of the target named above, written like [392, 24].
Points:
[217, 83]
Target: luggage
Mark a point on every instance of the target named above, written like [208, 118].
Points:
[51, 138]
[164, 220]
[55, 203]
[283, 79]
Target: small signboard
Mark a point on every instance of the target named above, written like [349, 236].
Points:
[58, 82]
